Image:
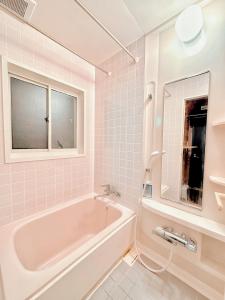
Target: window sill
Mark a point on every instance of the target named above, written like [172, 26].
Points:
[21, 156]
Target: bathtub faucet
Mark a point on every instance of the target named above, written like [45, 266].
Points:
[108, 191]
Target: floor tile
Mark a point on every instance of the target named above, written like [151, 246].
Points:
[109, 285]
[118, 294]
[100, 294]
[126, 284]
[117, 276]
[137, 283]
[123, 267]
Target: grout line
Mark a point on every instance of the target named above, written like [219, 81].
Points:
[102, 281]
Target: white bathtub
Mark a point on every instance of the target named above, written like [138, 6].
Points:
[62, 253]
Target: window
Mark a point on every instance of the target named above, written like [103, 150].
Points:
[43, 118]
[29, 114]
[64, 121]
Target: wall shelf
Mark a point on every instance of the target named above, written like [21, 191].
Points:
[201, 224]
[218, 123]
[219, 200]
[217, 180]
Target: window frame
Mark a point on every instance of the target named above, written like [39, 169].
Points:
[14, 70]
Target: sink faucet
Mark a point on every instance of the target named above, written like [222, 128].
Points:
[108, 191]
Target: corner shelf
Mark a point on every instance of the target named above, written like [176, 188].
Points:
[218, 123]
[219, 200]
[201, 224]
[217, 180]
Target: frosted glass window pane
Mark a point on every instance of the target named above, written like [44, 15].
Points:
[64, 120]
[29, 115]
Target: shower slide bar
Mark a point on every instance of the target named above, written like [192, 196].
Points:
[135, 59]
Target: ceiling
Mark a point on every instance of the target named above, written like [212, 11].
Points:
[128, 20]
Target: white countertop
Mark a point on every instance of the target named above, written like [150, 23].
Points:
[204, 225]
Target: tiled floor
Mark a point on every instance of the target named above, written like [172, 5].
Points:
[136, 283]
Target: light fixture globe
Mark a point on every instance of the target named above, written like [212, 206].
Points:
[189, 24]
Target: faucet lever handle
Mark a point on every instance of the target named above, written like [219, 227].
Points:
[107, 187]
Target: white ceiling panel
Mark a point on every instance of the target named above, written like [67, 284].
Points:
[67, 23]
[151, 13]
[128, 20]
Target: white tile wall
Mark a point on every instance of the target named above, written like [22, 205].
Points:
[119, 125]
[28, 187]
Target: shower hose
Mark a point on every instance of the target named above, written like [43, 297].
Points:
[160, 270]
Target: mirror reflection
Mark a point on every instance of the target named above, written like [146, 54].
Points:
[184, 139]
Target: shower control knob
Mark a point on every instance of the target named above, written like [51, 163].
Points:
[175, 238]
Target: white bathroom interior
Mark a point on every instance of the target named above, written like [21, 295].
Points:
[112, 142]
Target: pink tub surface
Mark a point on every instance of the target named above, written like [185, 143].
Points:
[42, 242]
[38, 248]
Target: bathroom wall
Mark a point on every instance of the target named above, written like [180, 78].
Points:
[119, 125]
[173, 64]
[28, 187]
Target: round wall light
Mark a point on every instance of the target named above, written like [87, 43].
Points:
[189, 24]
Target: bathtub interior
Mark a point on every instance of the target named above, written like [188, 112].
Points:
[43, 241]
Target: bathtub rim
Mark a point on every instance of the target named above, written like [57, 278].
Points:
[50, 283]
[39, 215]
[9, 258]
[72, 202]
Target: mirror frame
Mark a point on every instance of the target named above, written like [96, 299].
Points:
[179, 202]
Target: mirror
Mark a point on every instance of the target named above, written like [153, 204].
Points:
[184, 139]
